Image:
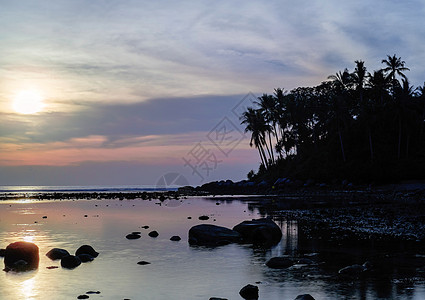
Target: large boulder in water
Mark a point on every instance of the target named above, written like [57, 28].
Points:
[70, 262]
[279, 263]
[57, 253]
[249, 292]
[86, 249]
[212, 235]
[260, 232]
[21, 256]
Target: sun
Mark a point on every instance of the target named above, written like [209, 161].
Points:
[28, 102]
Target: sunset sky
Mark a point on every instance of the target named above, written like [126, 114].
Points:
[132, 90]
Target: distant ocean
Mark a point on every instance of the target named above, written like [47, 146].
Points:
[82, 189]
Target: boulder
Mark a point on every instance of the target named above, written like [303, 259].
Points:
[21, 256]
[83, 297]
[212, 235]
[86, 249]
[57, 253]
[279, 263]
[70, 262]
[259, 232]
[304, 297]
[249, 292]
[133, 236]
[2, 252]
[85, 257]
[203, 218]
[355, 270]
[175, 238]
[153, 234]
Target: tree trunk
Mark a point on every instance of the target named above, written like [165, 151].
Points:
[271, 147]
[342, 145]
[370, 145]
[399, 139]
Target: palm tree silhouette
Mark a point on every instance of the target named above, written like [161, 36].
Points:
[395, 66]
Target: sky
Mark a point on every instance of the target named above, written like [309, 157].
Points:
[134, 90]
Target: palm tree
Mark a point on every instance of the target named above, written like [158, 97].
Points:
[267, 106]
[343, 80]
[395, 66]
[378, 84]
[255, 123]
[359, 77]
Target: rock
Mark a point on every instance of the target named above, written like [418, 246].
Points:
[57, 253]
[143, 263]
[145, 227]
[86, 249]
[93, 292]
[70, 262]
[44, 217]
[212, 235]
[354, 270]
[83, 297]
[52, 267]
[279, 263]
[136, 232]
[259, 232]
[153, 234]
[305, 261]
[189, 218]
[85, 258]
[133, 236]
[215, 298]
[175, 238]
[21, 256]
[203, 218]
[249, 292]
[304, 297]
[2, 252]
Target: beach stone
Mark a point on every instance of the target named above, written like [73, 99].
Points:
[93, 292]
[304, 297]
[145, 227]
[354, 270]
[279, 263]
[83, 297]
[85, 258]
[21, 256]
[203, 218]
[143, 263]
[133, 236]
[57, 253]
[249, 292]
[212, 235]
[86, 249]
[153, 234]
[260, 232]
[175, 238]
[70, 262]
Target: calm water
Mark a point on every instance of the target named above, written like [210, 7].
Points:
[177, 271]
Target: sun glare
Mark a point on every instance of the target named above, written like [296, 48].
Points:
[28, 102]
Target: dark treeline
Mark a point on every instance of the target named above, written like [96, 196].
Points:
[360, 126]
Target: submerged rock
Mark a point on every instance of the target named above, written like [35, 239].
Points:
[86, 249]
[203, 218]
[212, 235]
[21, 256]
[153, 234]
[355, 270]
[57, 253]
[249, 292]
[85, 257]
[259, 232]
[143, 263]
[279, 263]
[175, 238]
[70, 262]
[133, 236]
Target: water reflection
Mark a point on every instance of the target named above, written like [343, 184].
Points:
[177, 271]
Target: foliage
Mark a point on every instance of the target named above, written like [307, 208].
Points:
[359, 126]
